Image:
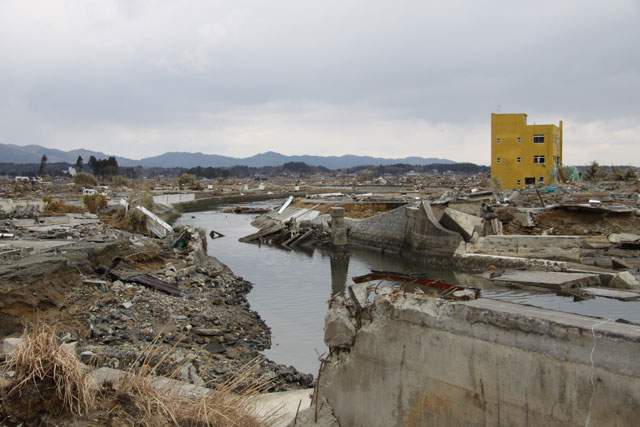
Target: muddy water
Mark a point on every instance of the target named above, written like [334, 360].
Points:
[291, 287]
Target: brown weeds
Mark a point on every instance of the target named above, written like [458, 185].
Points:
[49, 382]
[231, 404]
[45, 370]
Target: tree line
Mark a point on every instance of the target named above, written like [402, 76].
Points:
[107, 168]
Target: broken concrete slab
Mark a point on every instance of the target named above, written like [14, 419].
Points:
[595, 242]
[494, 227]
[471, 207]
[619, 264]
[618, 238]
[420, 362]
[461, 222]
[10, 344]
[563, 248]
[285, 404]
[361, 292]
[339, 328]
[108, 375]
[307, 416]
[624, 280]
[548, 279]
[39, 245]
[626, 295]
[523, 218]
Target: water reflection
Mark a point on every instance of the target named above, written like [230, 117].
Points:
[291, 287]
[305, 250]
[339, 261]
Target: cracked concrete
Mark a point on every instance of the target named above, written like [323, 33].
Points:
[427, 361]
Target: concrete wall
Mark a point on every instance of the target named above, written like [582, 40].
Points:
[416, 229]
[385, 231]
[170, 199]
[563, 248]
[425, 235]
[429, 362]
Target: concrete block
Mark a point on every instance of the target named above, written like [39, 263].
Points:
[494, 227]
[609, 293]
[623, 238]
[624, 280]
[360, 290]
[461, 222]
[10, 344]
[523, 218]
[71, 347]
[619, 264]
[339, 329]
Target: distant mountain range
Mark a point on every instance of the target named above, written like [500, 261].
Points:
[10, 153]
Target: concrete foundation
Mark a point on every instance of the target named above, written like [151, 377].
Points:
[419, 361]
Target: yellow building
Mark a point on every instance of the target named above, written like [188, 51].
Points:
[523, 154]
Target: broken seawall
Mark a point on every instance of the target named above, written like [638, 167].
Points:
[426, 361]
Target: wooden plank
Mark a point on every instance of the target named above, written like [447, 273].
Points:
[263, 233]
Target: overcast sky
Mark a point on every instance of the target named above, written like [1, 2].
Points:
[384, 78]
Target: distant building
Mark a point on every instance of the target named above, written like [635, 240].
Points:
[523, 154]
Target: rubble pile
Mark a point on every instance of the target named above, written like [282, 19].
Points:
[65, 275]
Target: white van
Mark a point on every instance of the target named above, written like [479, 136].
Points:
[89, 192]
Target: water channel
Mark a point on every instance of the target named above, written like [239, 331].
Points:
[291, 288]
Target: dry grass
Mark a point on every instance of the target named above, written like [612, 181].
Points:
[45, 371]
[131, 220]
[230, 404]
[53, 207]
[49, 384]
[141, 402]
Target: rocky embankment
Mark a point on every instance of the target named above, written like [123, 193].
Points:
[201, 326]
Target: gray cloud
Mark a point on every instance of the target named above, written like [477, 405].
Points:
[238, 77]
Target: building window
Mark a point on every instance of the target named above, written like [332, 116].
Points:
[518, 160]
[518, 182]
[538, 160]
[541, 179]
[498, 140]
[538, 139]
[519, 139]
[498, 160]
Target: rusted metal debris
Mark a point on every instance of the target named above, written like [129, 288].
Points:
[444, 289]
[152, 282]
[142, 279]
[539, 197]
